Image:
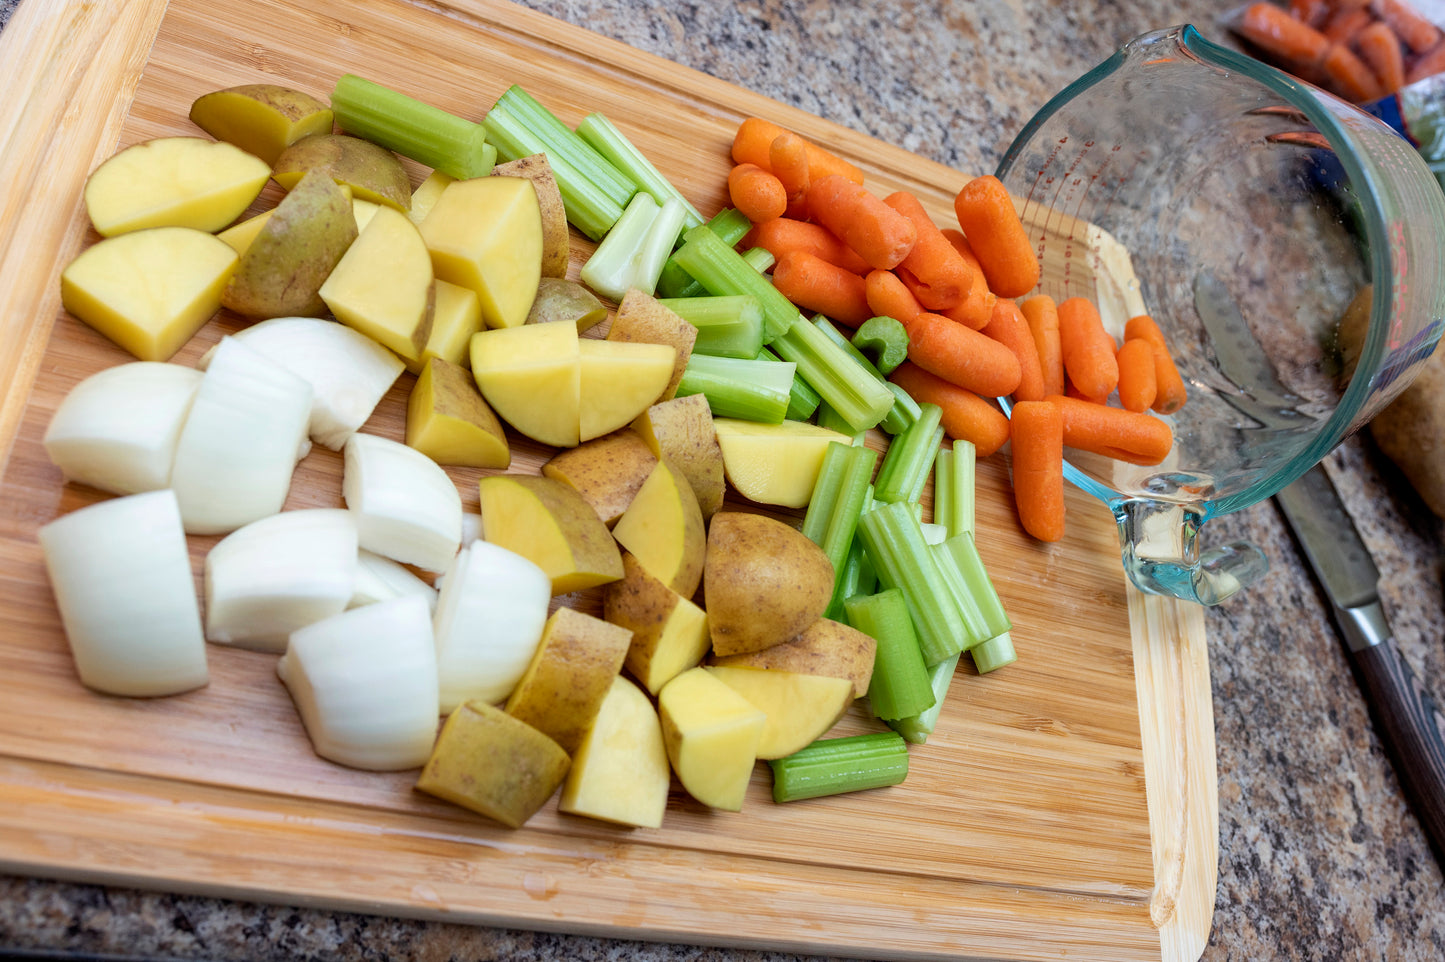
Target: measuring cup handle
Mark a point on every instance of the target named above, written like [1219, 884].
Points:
[1161, 553]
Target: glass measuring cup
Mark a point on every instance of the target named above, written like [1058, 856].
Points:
[1243, 210]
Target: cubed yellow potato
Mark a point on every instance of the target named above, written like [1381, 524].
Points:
[456, 317]
[240, 236]
[669, 632]
[447, 420]
[493, 764]
[663, 528]
[618, 382]
[173, 182]
[262, 119]
[569, 675]
[774, 463]
[712, 734]
[424, 198]
[362, 211]
[800, 708]
[607, 471]
[556, 235]
[643, 318]
[149, 291]
[620, 772]
[531, 376]
[382, 286]
[486, 233]
[548, 523]
[681, 430]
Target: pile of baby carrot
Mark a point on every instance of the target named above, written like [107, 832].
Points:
[1361, 50]
[959, 292]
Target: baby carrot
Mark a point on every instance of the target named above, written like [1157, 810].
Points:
[962, 355]
[1043, 317]
[1428, 64]
[1087, 349]
[757, 194]
[783, 234]
[753, 144]
[880, 235]
[788, 160]
[934, 269]
[1416, 31]
[888, 296]
[1113, 432]
[1350, 76]
[813, 284]
[1380, 48]
[1169, 386]
[977, 305]
[986, 213]
[1312, 12]
[1036, 430]
[1138, 385]
[1009, 328]
[1272, 29]
[966, 416]
[1345, 23]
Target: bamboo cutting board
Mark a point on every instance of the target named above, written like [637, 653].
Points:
[1065, 809]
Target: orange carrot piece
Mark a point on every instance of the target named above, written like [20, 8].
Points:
[1381, 50]
[1312, 12]
[880, 235]
[1036, 430]
[1042, 315]
[888, 296]
[1009, 327]
[1114, 432]
[977, 305]
[788, 160]
[934, 269]
[1170, 394]
[962, 355]
[1349, 76]
[813, 284]
[1273, 30]
[1428, 64]
[986, 213]
[1413, 29]
[966, 416]
[1138, 385]
[1345, 23]
[757, 194]
[783, 234]
[1087, 349]
[753, 144]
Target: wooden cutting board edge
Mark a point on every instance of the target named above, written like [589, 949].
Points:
[60, 53]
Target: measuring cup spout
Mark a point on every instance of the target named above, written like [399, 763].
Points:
[1162, 554]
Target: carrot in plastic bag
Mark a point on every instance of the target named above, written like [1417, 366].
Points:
[1381, 50]
[1413, 29]
[1273, 30]
[1351, 77]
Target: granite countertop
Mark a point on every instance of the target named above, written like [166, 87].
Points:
[1319, 857]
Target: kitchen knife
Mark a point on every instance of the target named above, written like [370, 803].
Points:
[1406, 716]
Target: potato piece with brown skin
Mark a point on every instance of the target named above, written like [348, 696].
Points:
[641, 317]
[556, 238]
[607, 471]
[664, 528]
[373, 173]
[763, 582]
[681, 430]
[669, 632]
[262, 119]
[563, 687]
[559, 299]
[826, 647]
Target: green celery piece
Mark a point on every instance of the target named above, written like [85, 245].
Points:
[564, 142]
[727, 326]
[836, 336]
[899, 687]
[964, 554]
[833, 421]
[909, 459]
[420, 131]
[802, 399]
[721, 270]
[860, 398]
[613, 267]
[994, 654]
[612, 144]
[825, 492]
[903, 413]
[731, 226]
[761, 259]
[839, 495]
[735, 388]
[944, 480]
[893, 537]
[954, 475]
[886, 338]
[832, 766]
[917, 728]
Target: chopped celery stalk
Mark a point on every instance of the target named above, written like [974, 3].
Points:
[934, 533]
[760, 258]
[632, 253]
[802, 399]
[564, 142]
[886, 339]
[943, 490]
[909, 460]
[860, 398]
[832, 766]
[848, 582]
[735, 388]
[722, 270]
[589, 208]
[825, 492]
[837, 501]
[903, 413]
[427, 134]
[994, 654]
[975, 629]
[893, 538]
[833, 421]
[964, 552]
[899, 687]
[728, 224]
[836, 336]
[917, 728]
[612, 144]
[727, 326]
[954, 478]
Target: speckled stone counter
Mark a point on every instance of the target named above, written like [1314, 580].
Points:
[1319, 857]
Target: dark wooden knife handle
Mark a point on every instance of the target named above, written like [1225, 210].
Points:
[1413, 730]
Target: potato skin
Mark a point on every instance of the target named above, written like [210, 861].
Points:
[763, 581]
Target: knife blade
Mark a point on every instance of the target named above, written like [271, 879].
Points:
[1407, 717]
